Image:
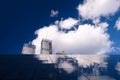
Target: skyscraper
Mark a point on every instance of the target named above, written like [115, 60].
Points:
[28, 48]
[46, 46]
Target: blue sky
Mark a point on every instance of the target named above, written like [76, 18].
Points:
[20, 19]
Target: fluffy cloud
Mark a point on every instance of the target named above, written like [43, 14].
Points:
[68, 23]
[87, 39]
[54, 13]
[92, 9]
[117, 25]
[117, 67]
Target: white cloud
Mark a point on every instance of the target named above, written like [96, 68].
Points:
[117, 25]
[68, 23]
[54, 13]
[116, 49]
[92, 9]
[117, 67]
[87, 39]
[96, 21]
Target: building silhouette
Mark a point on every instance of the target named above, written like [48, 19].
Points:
[46, 46]
[28, 48]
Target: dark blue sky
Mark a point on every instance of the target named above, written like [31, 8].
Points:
[19, 19]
